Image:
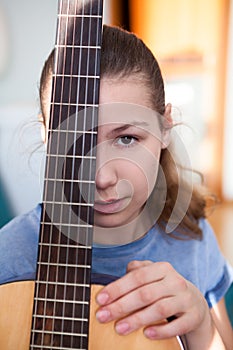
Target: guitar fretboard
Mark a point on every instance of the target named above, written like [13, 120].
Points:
[62, 292]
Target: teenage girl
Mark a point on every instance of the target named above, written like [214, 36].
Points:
[150, 228]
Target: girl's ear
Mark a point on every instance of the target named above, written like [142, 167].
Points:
[43, 130]
[167, 125]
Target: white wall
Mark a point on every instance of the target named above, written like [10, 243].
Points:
[27, 34]
[29, 27]
[31, 33]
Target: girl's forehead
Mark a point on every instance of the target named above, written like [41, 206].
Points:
[127, 113]
[117, 117]
[129, 90]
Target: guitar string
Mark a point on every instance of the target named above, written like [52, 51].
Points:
[74, 164]
[83, 116]
[72, 9]
[83, 150]
[55, 177]
[93, 137]
[32, 340]
[59, 30]
[83, 153]
[87, 253]
[92, 143]
[92, 146]
[45, 195]
[65, 16]
[62, 53]
[65, 63]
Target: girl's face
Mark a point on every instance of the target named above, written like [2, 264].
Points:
[128, 152]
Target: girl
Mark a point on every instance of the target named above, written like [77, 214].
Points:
[150, 230]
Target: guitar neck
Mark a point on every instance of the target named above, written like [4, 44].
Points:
[62, 292]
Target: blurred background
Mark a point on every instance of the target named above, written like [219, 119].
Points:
[193, 42]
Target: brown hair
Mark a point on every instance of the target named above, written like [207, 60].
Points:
[123, 54]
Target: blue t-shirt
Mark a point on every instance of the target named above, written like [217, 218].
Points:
[199, 261]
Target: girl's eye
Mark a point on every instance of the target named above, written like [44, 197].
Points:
[126, 140]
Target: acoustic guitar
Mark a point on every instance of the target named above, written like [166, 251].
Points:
[57, 310]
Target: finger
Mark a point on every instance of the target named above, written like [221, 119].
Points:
[178, 326]
[155, 313]
[132, 280]
[134, 301]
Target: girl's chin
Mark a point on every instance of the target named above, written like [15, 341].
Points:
[114, 220]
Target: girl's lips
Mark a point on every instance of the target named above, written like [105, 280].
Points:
[110, 206]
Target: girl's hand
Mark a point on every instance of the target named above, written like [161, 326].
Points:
[150, 293]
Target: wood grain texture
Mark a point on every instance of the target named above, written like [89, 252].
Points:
[16, 302]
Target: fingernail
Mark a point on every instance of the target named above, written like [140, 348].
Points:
[150, 333]
[102, 298]
[122, 328]
[103, 315]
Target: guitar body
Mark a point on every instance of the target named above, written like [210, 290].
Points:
[16, 299]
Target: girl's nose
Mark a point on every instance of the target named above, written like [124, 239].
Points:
[105, 176]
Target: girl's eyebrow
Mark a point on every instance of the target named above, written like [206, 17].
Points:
[129, 125]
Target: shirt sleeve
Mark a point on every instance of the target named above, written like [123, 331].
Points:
[18, 247]
[219, 273]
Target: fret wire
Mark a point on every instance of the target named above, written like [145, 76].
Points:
[78, 46]
[65, 246]
[61, 301]
[62, 318]
[72, 157]
[74, 132]
[61, 333]
[58, 224]
[65, 265]
[63, 284]
[77, 76]
[80, 16]
[70, 204]
[67, 180]
[74, 104]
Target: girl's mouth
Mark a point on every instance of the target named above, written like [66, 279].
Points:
[110, 206]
